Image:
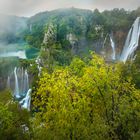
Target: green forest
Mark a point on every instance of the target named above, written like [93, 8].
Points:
[78, 92]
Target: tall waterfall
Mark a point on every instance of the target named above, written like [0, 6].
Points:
[21, 89]
[132, 41]
[16, 92]
[113, 47]
[26, 82]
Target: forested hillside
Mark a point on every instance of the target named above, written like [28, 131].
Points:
[78, 87]
[79, 30]
[80, 22]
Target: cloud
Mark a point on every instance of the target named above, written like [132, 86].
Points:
[110, 4]
[30, 7]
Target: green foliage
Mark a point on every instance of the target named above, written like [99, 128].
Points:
[49, 55]
[86, 101]
[70, 20]
[76, 66]
[132, 70]
[5, 97]
[14, 122]
[7, 63]
[34, 37]
[52, 52]
[87, 26]
[117, 19]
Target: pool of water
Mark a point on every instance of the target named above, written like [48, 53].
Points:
[21, 50]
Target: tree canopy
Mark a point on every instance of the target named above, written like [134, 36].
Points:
[87, 101]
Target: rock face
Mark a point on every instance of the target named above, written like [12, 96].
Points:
[48, 47]
[108, 50]
[72, 39]
[73, 42]
[50, 35]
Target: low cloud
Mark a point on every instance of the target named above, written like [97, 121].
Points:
[30, 7]
[110, 4]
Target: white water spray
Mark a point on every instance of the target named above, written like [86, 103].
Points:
[113, 47]
[26, 102]
[21, 89]
[132, 41]
[26, 82]
[38, 61]
[16, 92]
[8, 82]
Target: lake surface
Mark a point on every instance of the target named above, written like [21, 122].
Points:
[19, 50]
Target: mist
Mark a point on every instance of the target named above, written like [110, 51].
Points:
[10, 28]
[30, 7]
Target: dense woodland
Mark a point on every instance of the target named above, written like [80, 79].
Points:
[77, 96]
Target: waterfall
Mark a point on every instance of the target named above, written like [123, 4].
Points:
[113, 47]
[26, 82]
[8, 82]
[38, 61]
[16, 92]
[105, 41]
[21, 90]
[132, 41]
[25, 102]
[22, 79]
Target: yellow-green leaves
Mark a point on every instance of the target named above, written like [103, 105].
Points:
[87, 101]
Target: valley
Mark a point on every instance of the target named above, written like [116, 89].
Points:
[70, 74]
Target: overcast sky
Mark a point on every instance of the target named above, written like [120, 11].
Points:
[30, 7]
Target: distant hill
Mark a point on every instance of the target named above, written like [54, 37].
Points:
[71, 20]
[80, 22]
[59, 14]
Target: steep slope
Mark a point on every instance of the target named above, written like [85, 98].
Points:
[70, 20]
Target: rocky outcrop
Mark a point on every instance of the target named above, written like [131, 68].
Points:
[50, 35]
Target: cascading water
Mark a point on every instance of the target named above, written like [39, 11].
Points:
[21, 87]
[25, 102]
[105, 41]
[26, 82]
[132, 41]
[8, 82]
[38, 61]
[113, 47]
[16, 92]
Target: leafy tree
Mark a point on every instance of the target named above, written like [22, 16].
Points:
[87, 101]
[14, 122]
[132, 70]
